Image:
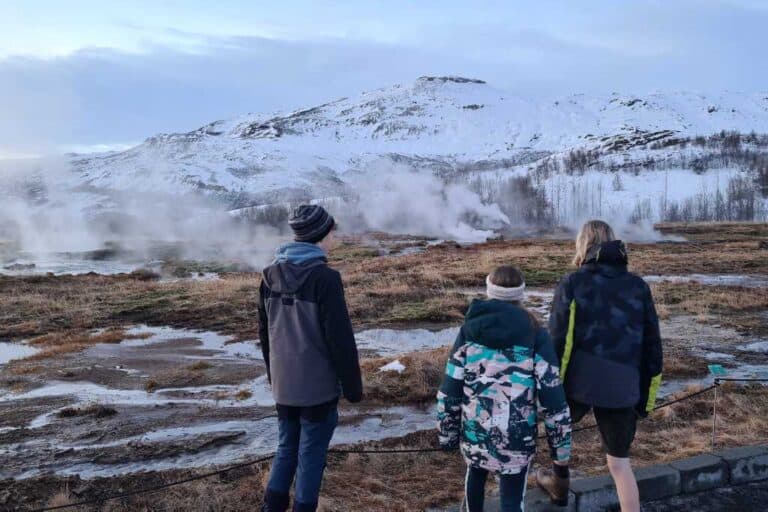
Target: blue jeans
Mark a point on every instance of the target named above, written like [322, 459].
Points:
[511, 487]
[301, 452]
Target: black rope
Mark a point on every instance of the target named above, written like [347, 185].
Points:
[394, 450]
[340, 451]
[729, 379]
[665, 404]
[150, 490]
[686, 397]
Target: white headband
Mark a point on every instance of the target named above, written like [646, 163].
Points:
[501, 293]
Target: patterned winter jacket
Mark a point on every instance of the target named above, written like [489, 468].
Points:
[606, 333]
[501, 370]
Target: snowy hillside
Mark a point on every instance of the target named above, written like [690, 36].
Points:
[562, 159]
[445, 124]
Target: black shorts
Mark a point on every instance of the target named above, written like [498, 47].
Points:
[617, 426]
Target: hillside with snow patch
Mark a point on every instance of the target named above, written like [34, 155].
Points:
[564, 159]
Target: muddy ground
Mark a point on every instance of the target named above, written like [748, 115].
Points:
[139, 379]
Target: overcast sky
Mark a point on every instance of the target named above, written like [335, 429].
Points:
[85, 74]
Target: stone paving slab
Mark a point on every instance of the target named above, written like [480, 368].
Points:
[701, 473]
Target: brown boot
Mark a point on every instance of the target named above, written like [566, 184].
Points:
[555, 486]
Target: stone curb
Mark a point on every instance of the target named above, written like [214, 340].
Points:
[732, 466]
[709, 471]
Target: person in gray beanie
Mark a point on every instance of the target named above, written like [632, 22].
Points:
[311, 357]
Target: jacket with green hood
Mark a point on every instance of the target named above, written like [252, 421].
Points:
[501, 373]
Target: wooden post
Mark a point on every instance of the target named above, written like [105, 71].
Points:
[714, 417]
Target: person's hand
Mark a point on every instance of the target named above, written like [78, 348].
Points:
[450, 446]
[354, 398]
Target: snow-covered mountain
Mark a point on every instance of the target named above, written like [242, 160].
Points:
[442, 123]
[577, 156]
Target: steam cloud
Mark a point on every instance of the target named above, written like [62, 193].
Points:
[42, 215]
[396, 199]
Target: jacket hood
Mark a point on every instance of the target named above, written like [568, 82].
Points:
[299, 253]
[609, 258]
[497, 324]
[293, 264]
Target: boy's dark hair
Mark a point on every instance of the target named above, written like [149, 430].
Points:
[507, 276]
[510, 276]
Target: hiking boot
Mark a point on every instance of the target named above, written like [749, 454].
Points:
[275, 501]
[555, 486]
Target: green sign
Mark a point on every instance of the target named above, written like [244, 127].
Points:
[717, 370]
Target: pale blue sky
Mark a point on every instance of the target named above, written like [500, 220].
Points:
[81, 72]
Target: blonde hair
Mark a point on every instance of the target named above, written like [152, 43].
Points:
[592, 233]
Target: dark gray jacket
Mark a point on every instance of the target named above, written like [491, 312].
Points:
[306, 335]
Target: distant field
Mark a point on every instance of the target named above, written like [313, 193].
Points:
[191, 373]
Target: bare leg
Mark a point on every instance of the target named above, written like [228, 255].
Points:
[626, 485]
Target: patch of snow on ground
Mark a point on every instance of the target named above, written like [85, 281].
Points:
[394, 366]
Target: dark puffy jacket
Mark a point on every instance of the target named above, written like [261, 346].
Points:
[606, 333]
[501, 370]
[306, 335]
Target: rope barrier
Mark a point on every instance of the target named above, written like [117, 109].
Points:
[729, 379]
[718, 380]
[150, 490]
[340, 451]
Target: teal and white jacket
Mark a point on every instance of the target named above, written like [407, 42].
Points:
[501, 374]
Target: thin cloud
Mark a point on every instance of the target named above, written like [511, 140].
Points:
[180, 79]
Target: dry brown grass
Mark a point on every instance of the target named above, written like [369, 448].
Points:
[57, 344]
[716, 230]
[401, 290]
[416, 384]
[681, 363]
[60, 499]
[424, 370]
[408, 482]
[151, 385]
[21, 369]
[178, 377]
[199, 366]
[685, 429]
[243, 394]
[735, 307]
[699, 299]
[39, 305]
[93, 410]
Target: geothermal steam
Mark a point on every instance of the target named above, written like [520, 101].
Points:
[43, 214]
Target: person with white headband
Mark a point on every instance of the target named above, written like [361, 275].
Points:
[502, 370]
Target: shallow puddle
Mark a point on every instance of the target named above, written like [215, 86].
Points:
[757, 346]
[747, 281]
[242, 440]
[222, 346]
[12, 351]
[58, 266]
[205, 425]
[392, 342]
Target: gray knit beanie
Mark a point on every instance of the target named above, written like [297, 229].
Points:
[310, 223]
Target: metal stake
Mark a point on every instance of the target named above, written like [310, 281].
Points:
[714, 417]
